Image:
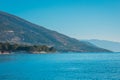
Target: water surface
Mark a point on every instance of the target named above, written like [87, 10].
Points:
[66, 66]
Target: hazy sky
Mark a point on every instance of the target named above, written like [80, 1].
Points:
[81, 19]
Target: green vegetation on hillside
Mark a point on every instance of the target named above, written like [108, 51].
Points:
[10, 47]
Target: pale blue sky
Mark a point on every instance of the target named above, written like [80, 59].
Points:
[81, 19]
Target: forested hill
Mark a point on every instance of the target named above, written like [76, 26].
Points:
[15, 29]
[10, 47]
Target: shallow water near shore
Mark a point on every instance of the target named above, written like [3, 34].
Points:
[65, 66]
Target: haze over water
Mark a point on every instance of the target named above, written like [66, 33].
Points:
[72, 66]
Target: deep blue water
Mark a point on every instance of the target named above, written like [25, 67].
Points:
[69, 66]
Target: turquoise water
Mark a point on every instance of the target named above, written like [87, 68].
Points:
[71, 66]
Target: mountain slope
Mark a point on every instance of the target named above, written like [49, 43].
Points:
[15, 29]
[114, 46]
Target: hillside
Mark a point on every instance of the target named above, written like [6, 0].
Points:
[17, 30]
[114, 46]
[10, 47]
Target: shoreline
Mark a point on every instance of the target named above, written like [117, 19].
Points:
[5, 52]
[35, 52]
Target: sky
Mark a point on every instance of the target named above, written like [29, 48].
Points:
[80, 19]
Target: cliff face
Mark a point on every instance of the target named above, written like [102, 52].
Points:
[15, 29]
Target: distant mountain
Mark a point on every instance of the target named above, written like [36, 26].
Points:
[110, 45]
[17, 30]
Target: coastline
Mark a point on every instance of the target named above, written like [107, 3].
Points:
[5, 52]
[34, 52]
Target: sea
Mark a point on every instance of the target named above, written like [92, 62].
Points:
[60, 66]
